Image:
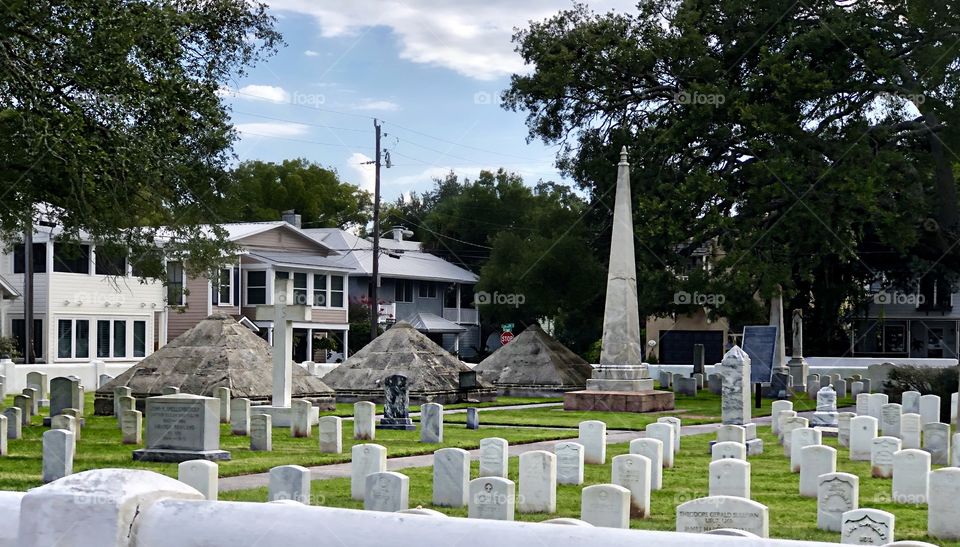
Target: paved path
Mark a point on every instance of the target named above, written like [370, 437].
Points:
[341, 470]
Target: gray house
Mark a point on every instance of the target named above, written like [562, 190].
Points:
[924, 323]
[433, 295]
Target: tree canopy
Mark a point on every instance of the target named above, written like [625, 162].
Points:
[530, 245]
[110, 119]
[811, 143]
[259, 191]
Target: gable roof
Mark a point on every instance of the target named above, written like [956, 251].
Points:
[408, 262]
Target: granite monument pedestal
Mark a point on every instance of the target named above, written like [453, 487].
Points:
[182, 427]
[619, 388]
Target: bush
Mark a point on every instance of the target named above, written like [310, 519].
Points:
[8, 348]
[935, 381]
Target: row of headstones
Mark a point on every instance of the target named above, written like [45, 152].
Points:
[686, 385]
[879, 406]
[854, 385]
[39, 381]
[66, 400]
[909, 468]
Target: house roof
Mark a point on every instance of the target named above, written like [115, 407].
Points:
[433, 324]
[297, 260]
[8, 290]
[410, 262]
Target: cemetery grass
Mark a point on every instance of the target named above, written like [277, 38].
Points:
[100, 447]
[791, 516]
[704, 408]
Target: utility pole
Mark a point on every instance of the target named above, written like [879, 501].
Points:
[375, 282]
[28, 333]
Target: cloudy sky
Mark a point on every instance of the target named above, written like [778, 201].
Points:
[431, 70]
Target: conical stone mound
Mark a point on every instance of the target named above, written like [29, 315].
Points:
[216, 352]
[433, 374]
[534, 364]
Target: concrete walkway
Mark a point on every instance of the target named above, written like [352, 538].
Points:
[342, 470]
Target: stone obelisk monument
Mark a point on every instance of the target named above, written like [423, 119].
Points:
[622, 381]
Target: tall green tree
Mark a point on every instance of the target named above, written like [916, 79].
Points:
[260, 191]
[530, 246]
[811, 142]
[110, 118]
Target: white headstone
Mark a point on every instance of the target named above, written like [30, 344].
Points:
[300, 418]
[493, 457]
[632, 471]
[727, 450]
[843, 427]
[866, 527]
[875, 405]
[730, 477]
[491, 498]
[954, 450]
[431, 423]
[911, 427]
[131, 426]
[890, 414]
[675, 422]
[223, 393]
[240, 416]
[775, 408]
[943, 511]
[364, 427]
[787, 426]
[735, 394]
[569, 462]
[365, 459]
[929, 409]
[651, 449]
[910, 470]
[732, 433]
[593, 437]
[863, 429]
[331, 434]
[664, 434]
[451, 477]
[14, 423]
[58, 450]
[201, 475]
[715, 512]
[66, 422]
[936, 441]
[605, 505]
[837, 493]
[881, 456]
[3, 435]
[387, 491]
[800, 438]
[815, 460]
[289, 482]
[911, 402]
[863, 404]
[118, 393]
[538, 482]
[261, 432]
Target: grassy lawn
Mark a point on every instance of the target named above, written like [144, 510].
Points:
[100, 446]
[702, 409]
[773, 485]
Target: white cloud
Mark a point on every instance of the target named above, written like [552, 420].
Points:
[365, 172]
[272, 129]
[253, 92]
[311, 53]
[471, 37]
[374, 104]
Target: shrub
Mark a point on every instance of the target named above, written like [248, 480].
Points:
[8, 348]
[935, 381]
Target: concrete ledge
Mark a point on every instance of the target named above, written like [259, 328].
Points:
[619, 401]
[177, 456]
[282, 416]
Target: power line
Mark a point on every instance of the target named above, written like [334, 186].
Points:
[341, 145]
[301, 122]
[454, 143]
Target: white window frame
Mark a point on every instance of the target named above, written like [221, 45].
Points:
[183, 284]
[215, 288]
[325, 290]
[331, 290]
[421, 285]
[246, 287]
[91, 347]
[127, 337]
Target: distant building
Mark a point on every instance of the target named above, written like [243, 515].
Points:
[432, 294]
[924, 323]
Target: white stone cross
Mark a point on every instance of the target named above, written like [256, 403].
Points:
[283, 316]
